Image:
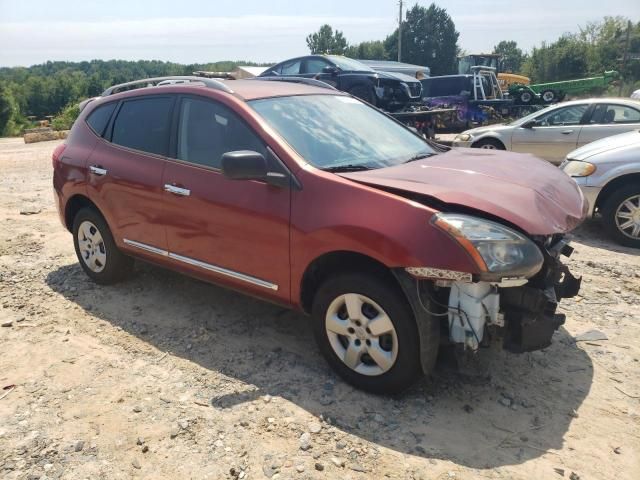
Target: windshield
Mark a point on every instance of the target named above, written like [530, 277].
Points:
[330, 131]
[349, 64]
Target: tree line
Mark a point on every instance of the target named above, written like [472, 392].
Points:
[53, 88]
[430, 38]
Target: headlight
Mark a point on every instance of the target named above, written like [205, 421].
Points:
[498, 251]
[463, 137]
[576, 168]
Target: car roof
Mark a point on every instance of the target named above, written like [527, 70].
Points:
[253, 89]
[246, 89]
[619, 100]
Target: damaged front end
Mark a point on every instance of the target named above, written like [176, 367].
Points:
[529, 310]
[514, 307]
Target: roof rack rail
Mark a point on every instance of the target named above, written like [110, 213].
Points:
[306, 81]
[158, 81]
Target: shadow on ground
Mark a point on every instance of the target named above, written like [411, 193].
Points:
[524, 410]
[593, 234]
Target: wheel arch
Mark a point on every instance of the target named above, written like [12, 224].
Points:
[331, 263]
[615, 184]
[490, 138]
[74, 205]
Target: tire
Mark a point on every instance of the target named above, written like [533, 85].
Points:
[364, 92]
[525, 97]
[622, 207]
[97, 253]
[549, 96]
[397, 352]
[489, 144]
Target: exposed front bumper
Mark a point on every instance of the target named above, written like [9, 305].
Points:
[461, 143]
[530, 310]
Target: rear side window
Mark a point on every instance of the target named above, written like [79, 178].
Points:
[99, 118]
[207, 130]
[144, 124]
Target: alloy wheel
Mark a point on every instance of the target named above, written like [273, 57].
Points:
[91, 246]
[361, 334]
[628, 217]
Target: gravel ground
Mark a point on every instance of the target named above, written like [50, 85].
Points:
[164, 376]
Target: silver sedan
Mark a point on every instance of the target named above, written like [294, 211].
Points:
[554, 131]
[608, 173]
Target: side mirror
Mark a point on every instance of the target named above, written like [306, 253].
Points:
[244, 165]
[330, 69]
[249, 165]
[529, 124]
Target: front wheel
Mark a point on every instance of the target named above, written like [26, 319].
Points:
[621, 216]
[97, 252]
[366, 330]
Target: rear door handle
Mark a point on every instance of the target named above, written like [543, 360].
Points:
[96, 170]
[185, 192]
[566, 132]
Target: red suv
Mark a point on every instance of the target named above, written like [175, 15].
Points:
[307, 197]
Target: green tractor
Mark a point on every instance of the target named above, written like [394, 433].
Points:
[551, 92]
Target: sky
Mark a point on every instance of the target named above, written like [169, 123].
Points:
[202, 31]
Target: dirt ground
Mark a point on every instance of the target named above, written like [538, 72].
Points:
[166, 377]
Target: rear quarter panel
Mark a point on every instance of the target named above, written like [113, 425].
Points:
[70, 173]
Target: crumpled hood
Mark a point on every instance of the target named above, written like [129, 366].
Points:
[519, 188]
[616, 142]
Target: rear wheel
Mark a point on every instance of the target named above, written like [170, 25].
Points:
[621, 215]
[489, 144]
[97, 252]
[525, 97]
[366, 330]
[549, 96]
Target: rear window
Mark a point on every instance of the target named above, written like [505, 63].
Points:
[144, 124]
[99, 118]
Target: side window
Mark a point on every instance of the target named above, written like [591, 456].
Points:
[315, 65]
[620, 114]
[144, 124]
[563, 116]
[291, 68]
[99, 118]
[208, 129]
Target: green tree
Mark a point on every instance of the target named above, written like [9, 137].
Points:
[6, 107]
[429, 38]
[373, 50]
[326, 41]
[512, 56]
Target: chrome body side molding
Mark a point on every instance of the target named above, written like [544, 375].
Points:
[205, 266]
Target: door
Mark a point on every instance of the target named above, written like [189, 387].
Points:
[312, 68]
[609, 119]
[232, 231]
[554, 134]
[125, 171]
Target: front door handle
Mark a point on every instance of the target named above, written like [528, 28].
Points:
[566, 132]
[184, 192]
[96, 170]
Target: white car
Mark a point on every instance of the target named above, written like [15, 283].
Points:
[554, 131]
[608, 173]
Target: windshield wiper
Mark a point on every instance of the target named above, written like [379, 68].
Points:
[346, 168]
[420, 156]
